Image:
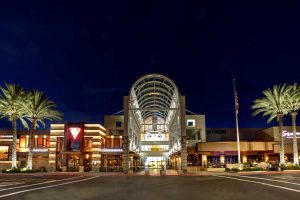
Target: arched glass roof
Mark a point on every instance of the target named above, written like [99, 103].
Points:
[154, 95]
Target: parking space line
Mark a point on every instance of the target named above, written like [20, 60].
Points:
[267, 179]
[261, 183]
[49, 186]
[38, 183]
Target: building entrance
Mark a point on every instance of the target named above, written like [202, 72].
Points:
[154, 122]
[155, 162]
[73, 163]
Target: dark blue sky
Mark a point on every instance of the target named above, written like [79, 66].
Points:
[85, 55]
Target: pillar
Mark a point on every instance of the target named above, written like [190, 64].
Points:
[96, 142]
[244, 159]
[222, 159]
[125, 138]
[183, 135]
[204, 161]
[81, 166]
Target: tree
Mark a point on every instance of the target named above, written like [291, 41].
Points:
[11, 99]
[273, 105]
[293, 105]
[37, 108]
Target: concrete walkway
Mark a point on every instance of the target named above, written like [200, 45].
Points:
[152, 172]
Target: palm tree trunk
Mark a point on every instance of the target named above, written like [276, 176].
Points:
[14, 146]
[280, 123]
[30, 154]
[295, 145]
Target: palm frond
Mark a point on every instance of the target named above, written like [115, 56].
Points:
[273, 103]
[38, 107]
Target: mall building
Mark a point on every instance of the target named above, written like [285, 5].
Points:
[154, 130]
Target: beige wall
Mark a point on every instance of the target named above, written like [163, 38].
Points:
[110, 123]
[199, 124]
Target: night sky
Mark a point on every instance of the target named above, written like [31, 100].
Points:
[85, 55]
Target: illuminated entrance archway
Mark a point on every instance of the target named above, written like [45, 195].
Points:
[154, 122]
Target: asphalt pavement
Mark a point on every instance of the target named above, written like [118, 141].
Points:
[130, 187]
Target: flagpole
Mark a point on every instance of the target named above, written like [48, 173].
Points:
[237, 125]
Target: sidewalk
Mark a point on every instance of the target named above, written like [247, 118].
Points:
[152, 173]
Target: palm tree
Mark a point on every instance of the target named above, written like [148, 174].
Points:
[10, 107]
[38, 108]
[273, 105]
[293, 105]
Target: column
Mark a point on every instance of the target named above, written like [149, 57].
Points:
[244, 160]
[96, 146]
[81, 166]
[222, 160]
[125, 138]
[183, 135]
[52, 154]
[204, 161]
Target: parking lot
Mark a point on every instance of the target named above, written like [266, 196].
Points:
[120, 186]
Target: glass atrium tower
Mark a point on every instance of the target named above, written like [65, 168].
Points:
[154, 123]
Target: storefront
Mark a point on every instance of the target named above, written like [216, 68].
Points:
[75, 147]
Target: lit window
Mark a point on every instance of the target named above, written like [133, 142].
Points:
[22, 142]
[190, 123]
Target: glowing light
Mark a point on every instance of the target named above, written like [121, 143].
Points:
[289, 134]
[6, 136]
[40, 150]
[75, 132]
[94, 125]
[111, 150]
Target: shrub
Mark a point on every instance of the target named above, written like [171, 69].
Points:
[290, 167]
[232, 169]
[244, 169]
[253, 169]
[19, 170]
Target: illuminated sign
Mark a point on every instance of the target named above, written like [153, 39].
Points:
[75, 132]
[111, 150]
[6, 136]
[289, 134]
[40, 150]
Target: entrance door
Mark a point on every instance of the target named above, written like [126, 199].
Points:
[155, 162]
[73, 163]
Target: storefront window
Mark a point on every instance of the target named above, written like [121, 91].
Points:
[88, 143]
[22, 142]
[117, 142]
[40, 142]
[4, 153]
[107, 143]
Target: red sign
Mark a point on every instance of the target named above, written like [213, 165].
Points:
[75, 132]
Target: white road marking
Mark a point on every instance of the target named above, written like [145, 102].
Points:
[3, 184]
[39, 183]
[286, 177]
[267, 179]
[49, 186]
[276, 186]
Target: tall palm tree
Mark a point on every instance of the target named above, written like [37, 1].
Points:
[273, 105]
[293, 105]
[11, 97]
[38, 108]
